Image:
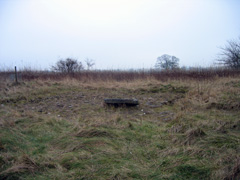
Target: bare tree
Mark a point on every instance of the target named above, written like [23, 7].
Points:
[167, 62]
[90, 63]
[68, 66]
[230, 55]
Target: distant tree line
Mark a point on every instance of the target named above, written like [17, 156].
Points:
[229, 57]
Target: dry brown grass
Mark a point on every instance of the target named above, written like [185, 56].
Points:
[68, 133]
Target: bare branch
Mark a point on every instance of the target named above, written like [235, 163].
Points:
[230, 54]
[68, 66]
[90, 63]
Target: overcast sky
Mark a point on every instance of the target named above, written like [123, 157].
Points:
[115, 33]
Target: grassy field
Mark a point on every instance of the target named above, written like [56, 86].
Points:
[182, 129]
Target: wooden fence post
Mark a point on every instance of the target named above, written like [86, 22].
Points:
[16, 78]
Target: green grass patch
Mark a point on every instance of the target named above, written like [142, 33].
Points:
[191, 172]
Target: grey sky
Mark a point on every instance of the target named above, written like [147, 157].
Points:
[115, 33]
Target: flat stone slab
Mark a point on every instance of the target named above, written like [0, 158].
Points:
[121, 102]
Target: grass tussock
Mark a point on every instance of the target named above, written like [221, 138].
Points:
[24, 165]
[192, 134]
[93, 133]
[56, 127]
